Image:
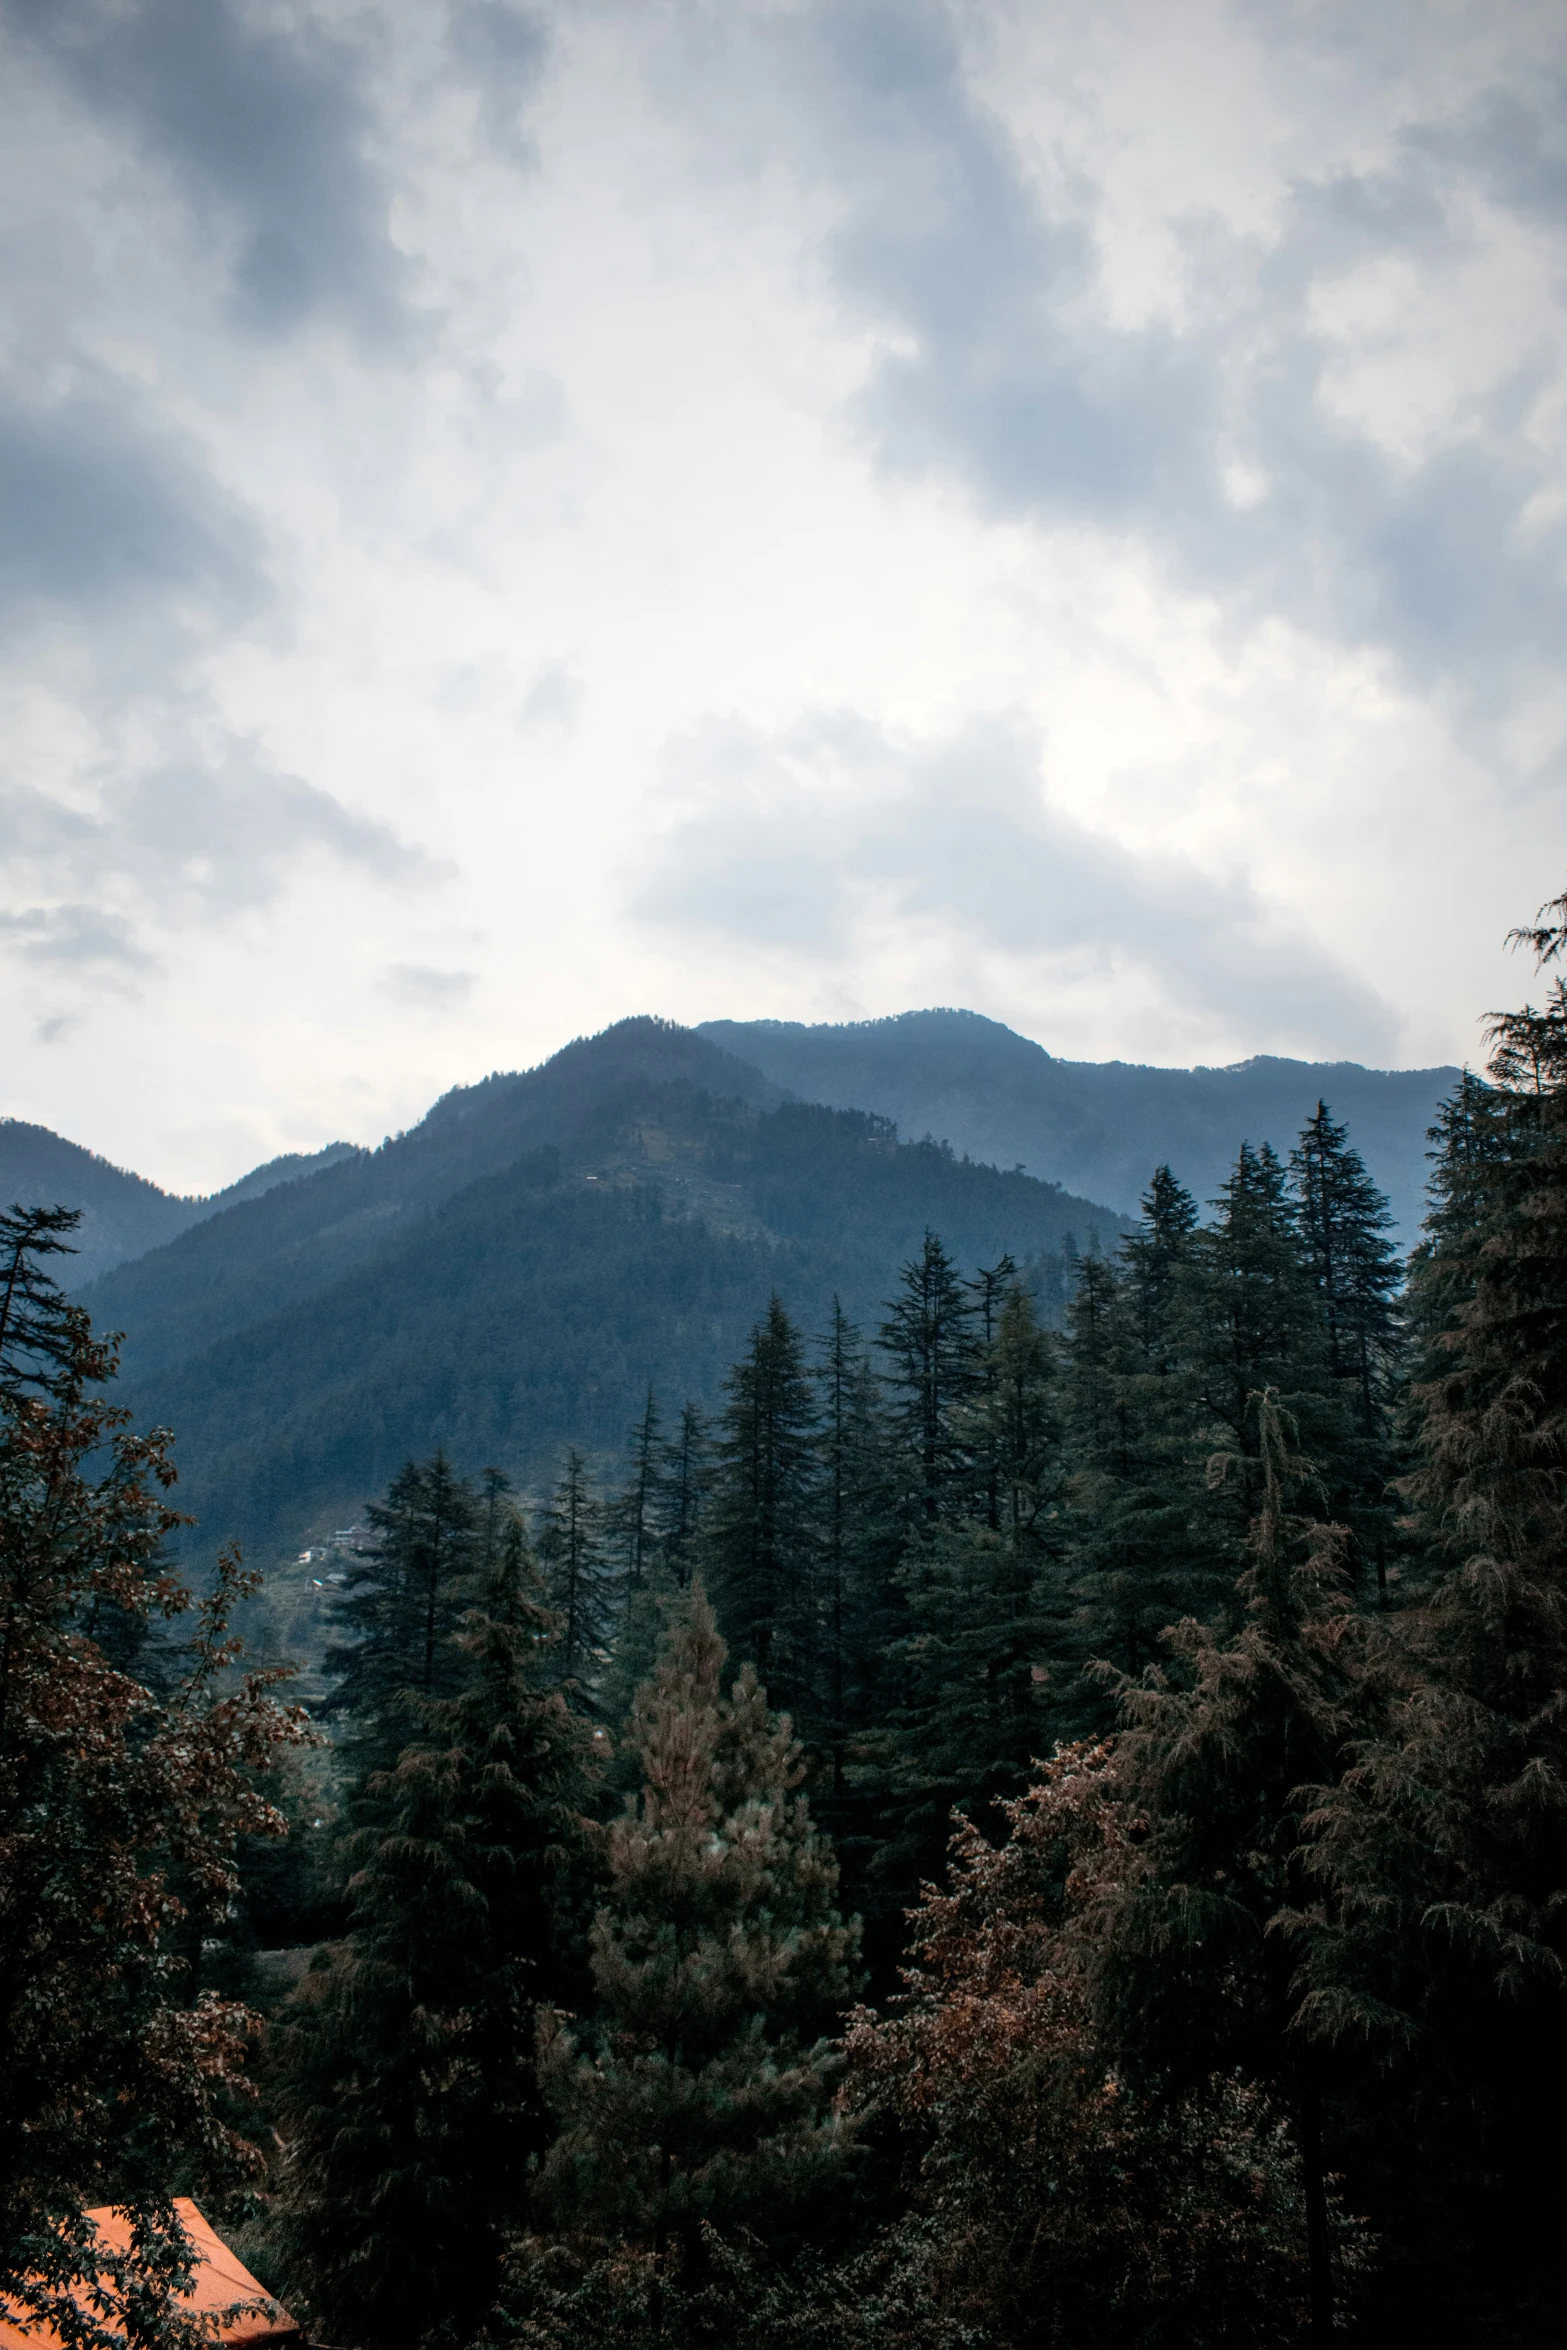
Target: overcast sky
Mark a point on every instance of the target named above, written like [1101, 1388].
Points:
[514, 515]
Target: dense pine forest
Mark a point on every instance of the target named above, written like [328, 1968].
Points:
[1036, 1823]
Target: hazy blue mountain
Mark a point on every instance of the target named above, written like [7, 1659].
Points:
[512, 1272]
[264, 1253]
[123, 1215]
[1098, 1127]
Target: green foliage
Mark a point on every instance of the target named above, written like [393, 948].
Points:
[396, 1620]
[760, 1541]
[858, 1530]
[1344, 1221]
[410, 2105]
[984, 1597]
[505, 1280]
[929, 1341]
[1139, 1559]
[685, 1484]
[580, 1579]
[1199, 1979]
[703, 2093]
[1248, 1319]
[1439, 1944]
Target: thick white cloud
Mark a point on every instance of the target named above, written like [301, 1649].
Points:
[944, 863]
[515, 514]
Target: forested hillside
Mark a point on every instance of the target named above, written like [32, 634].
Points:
[1096, 1126]
[515, 1271]
[123, 1215]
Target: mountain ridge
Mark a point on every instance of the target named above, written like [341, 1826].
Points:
[513, 1272]
[1097, 1127]
[124, 1214]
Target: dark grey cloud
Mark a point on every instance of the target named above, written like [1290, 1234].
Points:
[502, 50]
[809, 842]
[229, 833]
[1005, 367]
[261, 119]
[83, 942]
[99, 510]
[1514, 145]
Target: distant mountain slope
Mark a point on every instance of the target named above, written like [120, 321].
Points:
[123, 1215]
[262, 1254]
[1099, 1127]
[626, 1211]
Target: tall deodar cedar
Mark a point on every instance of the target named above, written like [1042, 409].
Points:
[411, 2106]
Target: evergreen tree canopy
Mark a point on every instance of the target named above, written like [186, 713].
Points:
[1344, 1221]
[410, 2099]
[1137, 1565]
[400, 1608]
[1250, 1321]
[983, 1595]
[1199, 1977]
[928, 1339]
[1153, 1255]
[718, 1958]
[1443, 1854]
[857, 1529]
[760, 1536]
[582, 1584]
[633, 1520]
[683, 1478]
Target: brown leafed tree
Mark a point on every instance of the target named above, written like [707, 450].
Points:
[1067, 2207]
[120, 1813]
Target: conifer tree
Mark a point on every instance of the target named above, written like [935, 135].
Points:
[684, 1477]
[991, 1288]
[704, 2096]
[1344, 1221]
[1478, 1134]
[1441, 1943]
[858, 1539]
[410, 2100]
[1137, 1486]
[1216, 1756]
[928, 1339]
[633, 1533]
[1249, 1320]
[1119, 1529]
[1154, 1256]
[632, 1522]
[759, 1543]
[988, 1637]
[398, 1615]
[579, 1579]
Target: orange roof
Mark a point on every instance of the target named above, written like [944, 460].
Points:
[219, 2278]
